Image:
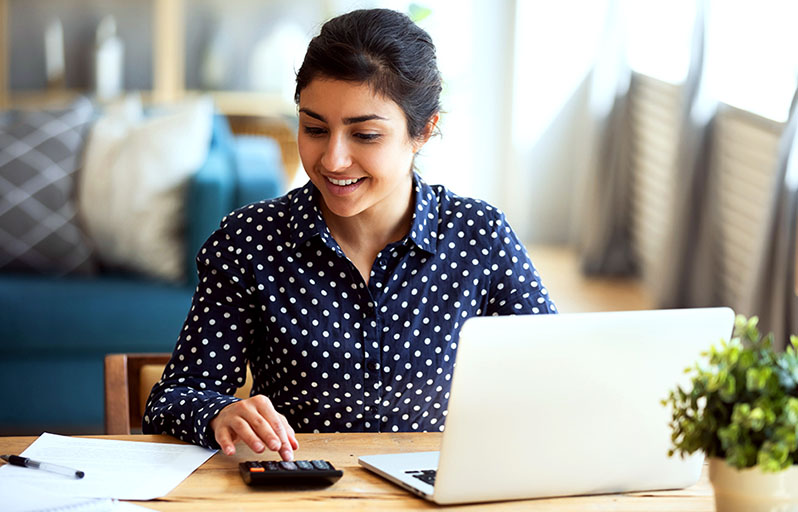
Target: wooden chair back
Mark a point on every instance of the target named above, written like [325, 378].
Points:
[129, 378]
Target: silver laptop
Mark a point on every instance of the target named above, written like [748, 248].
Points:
[560, 405]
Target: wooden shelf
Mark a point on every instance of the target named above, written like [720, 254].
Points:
[231, 103]
[169, 58]
[251, 103]
[56, 97]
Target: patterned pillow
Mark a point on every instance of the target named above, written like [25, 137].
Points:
[39, 157]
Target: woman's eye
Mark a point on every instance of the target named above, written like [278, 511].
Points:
[368, 137]
[314, 131]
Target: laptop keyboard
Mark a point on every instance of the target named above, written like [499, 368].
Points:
[425, 475]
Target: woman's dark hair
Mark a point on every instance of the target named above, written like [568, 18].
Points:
[387, 51]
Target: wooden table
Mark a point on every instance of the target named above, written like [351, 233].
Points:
[217, 486]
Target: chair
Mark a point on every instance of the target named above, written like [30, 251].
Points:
[129, 378]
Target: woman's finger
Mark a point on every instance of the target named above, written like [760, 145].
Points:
[243, 428]
[257, 423]
[277, 426]
[225, 440]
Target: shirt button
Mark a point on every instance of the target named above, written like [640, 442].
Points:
[373, 366]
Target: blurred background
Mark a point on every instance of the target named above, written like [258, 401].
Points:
[641, 149]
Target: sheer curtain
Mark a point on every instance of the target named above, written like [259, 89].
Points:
[773, 296]
[603, 236]
[685, 277]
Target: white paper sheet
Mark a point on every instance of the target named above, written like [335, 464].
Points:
[127, 470]
[17, 497]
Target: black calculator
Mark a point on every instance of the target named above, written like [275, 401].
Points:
[301, 472]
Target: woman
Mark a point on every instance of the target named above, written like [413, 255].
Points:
[345, 296]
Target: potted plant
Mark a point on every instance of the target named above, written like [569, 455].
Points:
[742, 412]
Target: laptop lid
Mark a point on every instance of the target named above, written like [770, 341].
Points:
[556, 405]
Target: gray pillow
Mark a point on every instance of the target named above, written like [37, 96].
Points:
[40, 153]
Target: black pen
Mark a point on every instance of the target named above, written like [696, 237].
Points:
[25, 462]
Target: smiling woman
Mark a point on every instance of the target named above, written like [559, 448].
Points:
[355, 148]
[345, 296]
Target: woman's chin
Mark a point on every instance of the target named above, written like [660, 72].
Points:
[340, 206]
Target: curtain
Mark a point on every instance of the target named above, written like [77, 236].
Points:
[685, 276]
[604, 238]
[773, 292]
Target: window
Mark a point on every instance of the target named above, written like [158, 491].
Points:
[752, 63]
[658, 37]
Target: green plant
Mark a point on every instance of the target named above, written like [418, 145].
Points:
[743, 405]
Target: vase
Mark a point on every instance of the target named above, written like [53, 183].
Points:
[752, 490]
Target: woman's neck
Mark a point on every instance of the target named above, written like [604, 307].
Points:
[363, 235]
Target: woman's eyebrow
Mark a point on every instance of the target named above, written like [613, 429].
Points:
[361, 119]
[312, 114]
[347, 120]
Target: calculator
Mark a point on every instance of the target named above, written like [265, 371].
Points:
[304, 472]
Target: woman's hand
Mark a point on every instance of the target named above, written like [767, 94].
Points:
[258, 424]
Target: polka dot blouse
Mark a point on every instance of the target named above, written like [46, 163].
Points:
[332, 352]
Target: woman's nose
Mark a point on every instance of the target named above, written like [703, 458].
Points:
[336, 155]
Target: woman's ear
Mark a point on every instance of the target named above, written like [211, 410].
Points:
[429, 131]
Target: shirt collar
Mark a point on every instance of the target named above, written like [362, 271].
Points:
[306, 221]
[425, 216]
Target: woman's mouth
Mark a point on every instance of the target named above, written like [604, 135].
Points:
[343, 183]
[345, 186]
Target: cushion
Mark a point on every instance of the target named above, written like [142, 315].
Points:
[39, 159]
[133, 187]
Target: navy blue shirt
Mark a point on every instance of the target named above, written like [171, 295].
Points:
[332, 352]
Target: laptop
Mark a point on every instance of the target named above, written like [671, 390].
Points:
[562, 405]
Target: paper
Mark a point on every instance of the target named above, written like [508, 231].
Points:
[18, 497]
[126, 470]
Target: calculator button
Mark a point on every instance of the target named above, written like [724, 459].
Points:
[320, 464]
[289, 466]
[271, 465]
[254, 467]
[303, 464]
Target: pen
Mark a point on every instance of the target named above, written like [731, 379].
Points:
[25, 462]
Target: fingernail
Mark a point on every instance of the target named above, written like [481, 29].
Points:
[229, 450]
[258, 447]
[274, 445]
[288, 455]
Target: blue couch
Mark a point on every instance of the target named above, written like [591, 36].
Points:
[55, 332]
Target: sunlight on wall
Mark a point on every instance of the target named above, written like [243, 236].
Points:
[554, 51]
[444, 159]
[556, 45]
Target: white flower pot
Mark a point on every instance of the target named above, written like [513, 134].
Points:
[751, 490]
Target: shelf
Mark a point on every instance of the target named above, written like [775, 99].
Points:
[169, 56]
[231, 103]
[251, 103]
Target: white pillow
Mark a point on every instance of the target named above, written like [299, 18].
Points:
[132, 188]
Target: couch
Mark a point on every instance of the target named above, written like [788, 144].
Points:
[55, 331]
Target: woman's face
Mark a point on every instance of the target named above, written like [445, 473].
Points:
[355, 148]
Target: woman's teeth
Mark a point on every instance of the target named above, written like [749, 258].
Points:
[343, 183]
